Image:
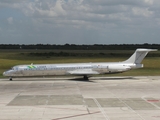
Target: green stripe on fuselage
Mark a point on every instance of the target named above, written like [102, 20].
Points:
[31, 66]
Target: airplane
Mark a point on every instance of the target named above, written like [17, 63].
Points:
[79, 69]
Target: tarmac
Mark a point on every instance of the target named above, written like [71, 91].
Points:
[71, 98]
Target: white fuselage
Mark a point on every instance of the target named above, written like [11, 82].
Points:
[69, 69]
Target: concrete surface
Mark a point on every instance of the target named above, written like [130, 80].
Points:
[101, 98]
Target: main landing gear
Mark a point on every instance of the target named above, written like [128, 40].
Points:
[10, 78]
[85, 77]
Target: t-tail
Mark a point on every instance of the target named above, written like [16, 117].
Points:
[138, 56]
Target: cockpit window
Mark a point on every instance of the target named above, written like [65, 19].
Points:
[14, 68]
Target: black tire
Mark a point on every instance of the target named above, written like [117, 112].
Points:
[85, 77]
[10, 78]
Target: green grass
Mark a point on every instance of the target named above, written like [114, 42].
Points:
[10, 58]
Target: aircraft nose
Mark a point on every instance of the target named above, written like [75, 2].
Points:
[4, 73]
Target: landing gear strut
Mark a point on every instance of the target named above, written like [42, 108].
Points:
[10, 78]
[85, 77]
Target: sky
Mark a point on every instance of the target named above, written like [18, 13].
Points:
[79, 21]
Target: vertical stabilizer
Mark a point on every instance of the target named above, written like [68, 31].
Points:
[139, 55]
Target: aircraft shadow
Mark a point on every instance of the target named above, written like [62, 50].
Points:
[115, 78]
[80, 79]
[48, 79]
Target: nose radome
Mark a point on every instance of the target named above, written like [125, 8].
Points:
[4, 73]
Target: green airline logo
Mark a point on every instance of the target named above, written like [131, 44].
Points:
[31, 66]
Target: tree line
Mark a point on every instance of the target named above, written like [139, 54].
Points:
[79, 54]
[81, 47]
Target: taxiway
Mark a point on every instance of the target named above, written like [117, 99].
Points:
[101, 98]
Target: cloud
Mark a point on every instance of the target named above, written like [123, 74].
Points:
[81, 21]
[142, 12]
[10, 20]
[150, 2]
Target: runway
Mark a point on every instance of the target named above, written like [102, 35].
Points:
[100, 98]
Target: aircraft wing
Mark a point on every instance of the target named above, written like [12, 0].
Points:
[83, 72]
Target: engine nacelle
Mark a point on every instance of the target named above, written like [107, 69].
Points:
[118, 68]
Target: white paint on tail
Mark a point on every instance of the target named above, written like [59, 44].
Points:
[138, 56]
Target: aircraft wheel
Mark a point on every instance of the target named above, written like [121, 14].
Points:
[10, 78]
[85, 77]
